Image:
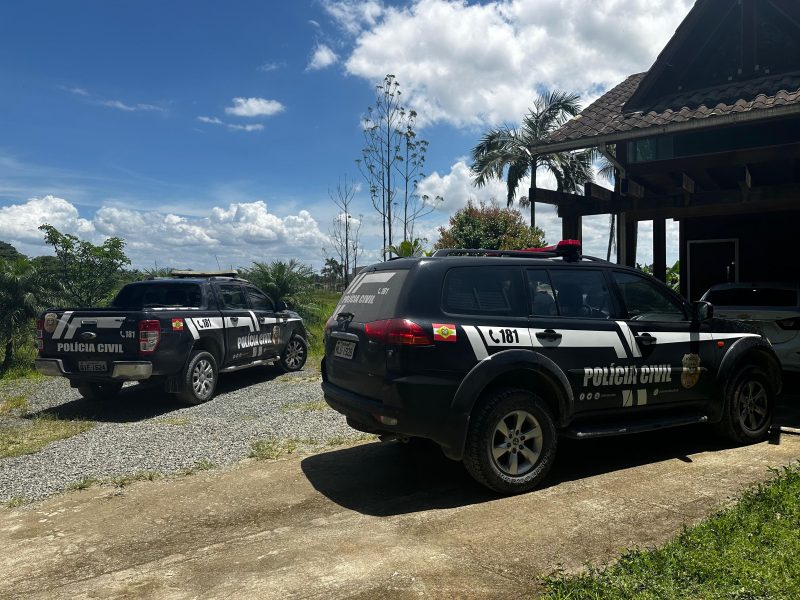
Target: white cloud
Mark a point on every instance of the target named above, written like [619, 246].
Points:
[238, 233]
[233, 126]
[354, 15]
[473, 64]
[322, 58]
[19, 222]
[254, 107]
[271, 66]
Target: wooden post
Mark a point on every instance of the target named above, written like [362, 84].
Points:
[622, 230]
[572, 227]
[682, 257]
[631, 239]
[660, 249]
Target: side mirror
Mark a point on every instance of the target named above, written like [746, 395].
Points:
[280, 305]
[702, 311]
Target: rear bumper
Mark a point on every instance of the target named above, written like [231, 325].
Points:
[377, 417]
[120, 370]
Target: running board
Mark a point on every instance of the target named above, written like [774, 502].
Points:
[257, 363]
[587, 431]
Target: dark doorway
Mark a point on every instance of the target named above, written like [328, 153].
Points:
[711, 262]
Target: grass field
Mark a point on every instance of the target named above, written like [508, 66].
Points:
[749, 551]
[314, 318]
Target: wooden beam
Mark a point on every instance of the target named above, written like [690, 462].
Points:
[660, 249]
[717, 210]
[635, 189]
[572, 227]
[592, 190]
[552, 197]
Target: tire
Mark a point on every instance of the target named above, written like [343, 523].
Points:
[199, 378]
[749, 405]
[294, 354]
[511, 424]
[100, 391]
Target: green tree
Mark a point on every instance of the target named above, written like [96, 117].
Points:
[89, 274]
[505, 152]
[290, 281]
[23, 294]
[489, 227]
[408, 248]
[8, 252]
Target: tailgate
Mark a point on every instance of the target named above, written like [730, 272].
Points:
[89, 341]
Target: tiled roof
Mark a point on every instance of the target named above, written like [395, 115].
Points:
[606, 115]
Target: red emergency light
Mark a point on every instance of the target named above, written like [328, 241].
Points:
[567, 249]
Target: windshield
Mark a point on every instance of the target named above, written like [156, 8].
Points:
[159, 294]
[752, 296]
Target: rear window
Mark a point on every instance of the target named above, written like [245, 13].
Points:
[373, 296]
[484, 291]
[761, 296]
[155, 295]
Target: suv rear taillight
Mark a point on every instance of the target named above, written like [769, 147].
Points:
[401, 332]
[149, 336]
[40, 335]
[791, 324]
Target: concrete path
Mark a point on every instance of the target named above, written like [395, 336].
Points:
[372, 521]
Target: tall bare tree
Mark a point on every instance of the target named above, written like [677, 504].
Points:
[345, 229]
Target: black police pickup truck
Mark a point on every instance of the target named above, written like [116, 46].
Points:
[494, 355]
[182, 331]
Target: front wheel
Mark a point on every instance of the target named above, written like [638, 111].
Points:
[100, 391]
[199, 378]
[511, 443]
[749, 404]
[294, 355]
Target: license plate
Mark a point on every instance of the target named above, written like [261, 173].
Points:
[92, 366]
[344, 349]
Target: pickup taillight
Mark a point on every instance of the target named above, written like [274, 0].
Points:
[149, 336]
[40, 335]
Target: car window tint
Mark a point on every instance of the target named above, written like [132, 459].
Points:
[581, 293]
[258, 300]
[484, 290]
[159, 294]
[752, 296]
[645, 301]
[372, 296]
[543, 300]
[233, 296]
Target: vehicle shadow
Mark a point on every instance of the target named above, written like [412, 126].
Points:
[147, 401]
[383, 479]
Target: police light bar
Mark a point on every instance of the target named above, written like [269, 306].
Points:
[567, 249]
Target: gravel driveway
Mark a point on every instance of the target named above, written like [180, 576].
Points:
[144, 430]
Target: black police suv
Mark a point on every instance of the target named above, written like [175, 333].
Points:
[495, 354]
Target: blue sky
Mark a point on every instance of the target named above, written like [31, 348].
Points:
[198, 130]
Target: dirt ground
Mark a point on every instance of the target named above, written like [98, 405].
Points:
[373, 521]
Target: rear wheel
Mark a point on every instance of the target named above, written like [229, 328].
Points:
[199, 378]
[749, 404]
[512, 441]
[100, 391]
[294, 355]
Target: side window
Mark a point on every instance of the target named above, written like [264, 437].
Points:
[258, 300]
[232, 296]
[581, 293]
[543, 299]
[644, 301]
[484, 291]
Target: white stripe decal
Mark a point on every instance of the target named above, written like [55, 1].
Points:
[627, 397]
[581, 338]
[641, 397]
[476, 342]
[62, 322]
[192, 329]
[379, 277]
[255, 321]
[628, 335]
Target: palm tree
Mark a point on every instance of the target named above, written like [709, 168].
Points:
[23, 293]
[507, 151]
[407, 248]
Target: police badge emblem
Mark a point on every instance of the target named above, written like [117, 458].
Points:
[691, 370]
[50, 322]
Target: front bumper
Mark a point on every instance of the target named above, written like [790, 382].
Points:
[120, 371]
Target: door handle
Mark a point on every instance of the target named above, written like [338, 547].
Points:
[548, 335]
[234, 319]
[645, 339]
